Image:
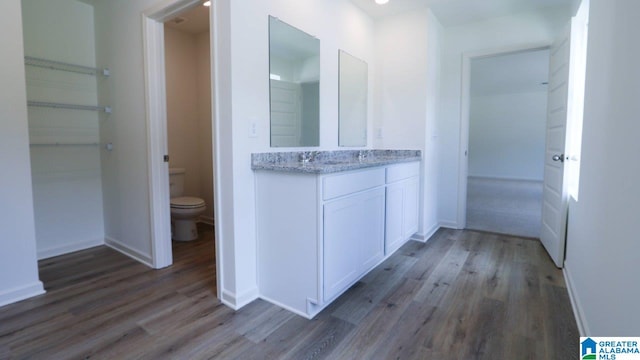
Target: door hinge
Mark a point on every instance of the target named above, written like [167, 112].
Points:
[166, 158]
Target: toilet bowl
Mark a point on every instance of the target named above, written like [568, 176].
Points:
[185, 210]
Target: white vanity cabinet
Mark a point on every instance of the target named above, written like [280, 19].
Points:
[319, 233]
[401, 204]
[353, 238]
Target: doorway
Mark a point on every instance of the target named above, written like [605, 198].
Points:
[156, 89]
[507, 107]
[189, 126]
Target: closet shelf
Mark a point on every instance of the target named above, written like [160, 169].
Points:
[58, 65]
[106, 109]
[65, 144]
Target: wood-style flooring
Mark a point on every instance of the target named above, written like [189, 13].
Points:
[462, 295]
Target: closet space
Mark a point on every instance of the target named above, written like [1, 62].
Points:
[66, 92]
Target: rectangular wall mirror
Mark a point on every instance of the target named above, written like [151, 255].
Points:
[294, 73]
[353, 92]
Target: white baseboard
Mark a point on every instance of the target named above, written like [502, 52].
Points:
[206, 219]
[288, 308]
[578, 313]
[236, 302]
[21, 293]
[449, 224]
[484, 177]
[427, 235]
[228, 298]
[130, 252]
[69, 248]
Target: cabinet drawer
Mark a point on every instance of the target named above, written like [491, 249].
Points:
[334, 186]
[402, 171]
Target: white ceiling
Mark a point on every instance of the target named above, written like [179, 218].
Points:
[458, 12]
[448, 12]
[510, 73]
[196, 20]
[393, 7]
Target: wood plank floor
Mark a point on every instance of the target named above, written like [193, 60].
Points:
[463, 295]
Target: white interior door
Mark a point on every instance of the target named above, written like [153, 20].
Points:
[555, 194]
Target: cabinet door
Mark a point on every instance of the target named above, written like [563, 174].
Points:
[353, 239]
[372, 229]
[341, 246]
[394, 212]
[410, 208]
[401, 213]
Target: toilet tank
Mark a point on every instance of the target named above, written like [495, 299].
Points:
[176, 181]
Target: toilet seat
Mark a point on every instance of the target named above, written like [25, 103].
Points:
[186, 202]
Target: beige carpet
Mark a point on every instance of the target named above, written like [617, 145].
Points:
[504, 206]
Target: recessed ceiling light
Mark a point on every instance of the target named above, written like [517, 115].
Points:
[381, 2]
[207, 3]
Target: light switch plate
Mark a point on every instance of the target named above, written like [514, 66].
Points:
[253, 128]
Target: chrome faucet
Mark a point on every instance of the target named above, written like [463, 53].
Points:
[307, 156]
[362, 155]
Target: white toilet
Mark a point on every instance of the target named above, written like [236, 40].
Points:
[184, 209]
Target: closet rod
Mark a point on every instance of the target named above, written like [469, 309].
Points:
[65, 144]
[58, 65]
[106, 109]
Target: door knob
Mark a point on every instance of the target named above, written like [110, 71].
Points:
[558, 158]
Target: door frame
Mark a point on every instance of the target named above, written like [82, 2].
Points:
[156, 122]
[465, 112]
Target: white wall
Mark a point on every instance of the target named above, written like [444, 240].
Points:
[531, 28]
[401, 80]
[407, 75]
[183, 125]
[430, 154]
[507, 135]
[602, 240]
[124, 170]
[67, 184]
[242, 55]
[205, 151]
[339, 25]
[18, 263]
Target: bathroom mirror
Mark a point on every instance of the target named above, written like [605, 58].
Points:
[353, 92]
[294, 75]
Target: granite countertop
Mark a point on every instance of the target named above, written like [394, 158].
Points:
[325, 162]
